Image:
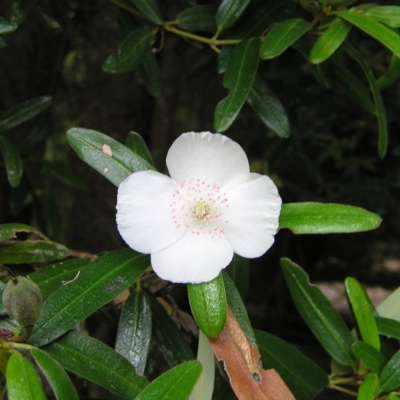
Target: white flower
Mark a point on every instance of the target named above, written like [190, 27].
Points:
[211, 207]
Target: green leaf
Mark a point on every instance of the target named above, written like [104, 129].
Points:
[369, 387]
[379, 106]
[268, 108]
[354, 86]
[130, 54]
[63, 175]
[388, 327]
[320, 218]
[239, 272]
[134, 330]
[389, 15]
[208, 303]
[107, 156]
[329, 41]
[198, 18]
[22, 380]
[318, 313]
[391, 75]
[150, 72]
[9, 231]
[23, 112]
[171, 341]
[371, 358]
[136, 143]
[54, 276]
[34, 138]
[362, 312]
[281, 36]
[177, 383]
[30, 252]
[390, 307]
[390, 375]
[98, 283]
[229, 12]
[151, 10]
[12, 161]
[304, 378]
[7, 26]
[238, 78]
[18, 10]
[96, 362]
[381, 33]
[55, 375]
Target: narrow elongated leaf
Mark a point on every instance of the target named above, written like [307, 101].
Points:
[238, 78]
[208, 303]
[383, 34]
[107, 156]
[93, 360]
[23, 112]
[35, 137]
[269, 108]
[9, 231]
[151, 10]
[239, 272]
[371, 358]
[7, 26]
[388, 327]
[12, 161]
[304, 378]
[329, 41]
[198, 18]
[319, 218]
[318, 313]
[150, 72]
[229, 12]
[55, 375]
[23, 381]
[362, 312]
[98, 283]
[63, 175]
[391, 75]
[32, 252]
[388, 15]
[281, 36]
[136, 143]
[134, 330]
[369, 387]
[390, 307]
[18, 10]
[176, 383]
[130, 54]
[172, 343]
[390, 375]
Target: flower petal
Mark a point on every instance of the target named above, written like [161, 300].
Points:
[252, 218]
[210, 157]
[143, 213]
[193, 258]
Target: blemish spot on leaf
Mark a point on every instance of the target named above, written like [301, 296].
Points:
[106, 149]
[256, 377]
[105, 170]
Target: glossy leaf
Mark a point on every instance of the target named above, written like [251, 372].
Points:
[369, 387]
[63, 175]
[320, 218]
[391, 75]
[177, 383]
[137, 144]
[23, 112]
[7, 26]
[54, 276]
[23, 381]
[134, 330]
[371, 358]
[388, 327]
[362, 312]
[383, 34]
[329, 41]
[208, 303]
[130, 54]
[229, 12]
[390, 307]
[96, 362]
[171, 341]
[107, 156]
[388, 15]
[238, 78]
[304, 378]
[33, 252]
[10, 231]
[98, 283]
[390, 375]
[12, 161]
[269, 108]
[318, 313]
[151, 10]
[239, 272]
[198, 18]
[281, 36]
[55, 375]
[150, 72]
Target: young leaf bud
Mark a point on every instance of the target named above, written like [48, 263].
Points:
[22, 300]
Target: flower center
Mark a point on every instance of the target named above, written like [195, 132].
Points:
[198, 207]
